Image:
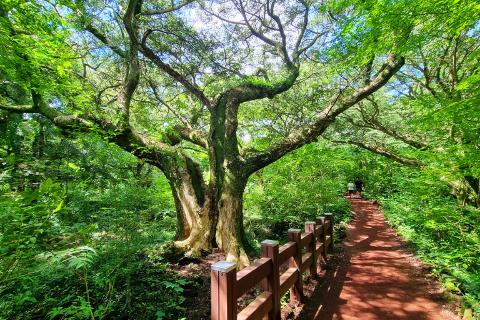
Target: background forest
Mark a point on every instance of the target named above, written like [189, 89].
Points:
[121, 122]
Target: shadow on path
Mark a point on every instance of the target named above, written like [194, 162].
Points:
[374, 277]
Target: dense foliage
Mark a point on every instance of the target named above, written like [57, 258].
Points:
[297, 189]
[77, 220]
[84, 226]
[138, 135]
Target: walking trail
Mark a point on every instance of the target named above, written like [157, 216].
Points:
[376, 278]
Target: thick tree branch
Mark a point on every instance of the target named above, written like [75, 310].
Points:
[177, 76]
[371, 121]
[383, 152]
[251, 91]
[388, 69]
[309, 133]
[105, 40]
[167, 10]
[197, 137]
[21, 108]
[132, 76]
[62, 120]
[131, 140]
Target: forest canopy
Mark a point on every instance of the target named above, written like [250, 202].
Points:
[134, 131]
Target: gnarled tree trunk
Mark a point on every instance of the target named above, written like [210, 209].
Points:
[205, 220]
[230, 234]
[195, 222]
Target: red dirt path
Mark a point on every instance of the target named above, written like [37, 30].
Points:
[376, 278]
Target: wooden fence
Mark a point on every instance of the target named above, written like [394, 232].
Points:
[304, 251]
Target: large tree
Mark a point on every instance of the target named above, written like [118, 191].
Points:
[167, 83]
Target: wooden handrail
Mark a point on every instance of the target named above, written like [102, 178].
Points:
[287, 279]
[258, 308]
[286, 252]
[307, 259]
[251, 275]
[306, 239]
[304, 251]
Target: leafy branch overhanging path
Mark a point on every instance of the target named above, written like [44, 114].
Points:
[375, 278]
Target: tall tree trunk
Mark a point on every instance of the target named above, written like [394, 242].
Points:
[195, 223]
[227, 179]
[204, 221]
[230, 234]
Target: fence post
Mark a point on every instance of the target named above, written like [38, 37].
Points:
[329, 217]
[296, 292]
[224, 304]
[321, 221]
[310, 227]
[270, 250]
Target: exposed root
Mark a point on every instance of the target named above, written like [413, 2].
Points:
[194, 245]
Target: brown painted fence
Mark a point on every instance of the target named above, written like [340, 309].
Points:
[304, 251]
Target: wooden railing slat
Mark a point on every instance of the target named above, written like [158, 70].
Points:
[251, 275]
[270, 249]
[296, 291]
[306, 239]
[310, 227]
[286, 251]
[258, 308]
[287, 279]
[329, 221]
[321, 222]
[307, 259]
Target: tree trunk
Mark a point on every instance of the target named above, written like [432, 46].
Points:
[193, 205]
[230, 234]
[227, 180]
[194, 223]
[203, 222]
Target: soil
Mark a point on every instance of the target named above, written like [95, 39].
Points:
[371, 276]
[197, 295]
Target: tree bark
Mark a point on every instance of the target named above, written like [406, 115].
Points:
[209, 215]
[195, 220]
[227, 179]
[230, 234]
